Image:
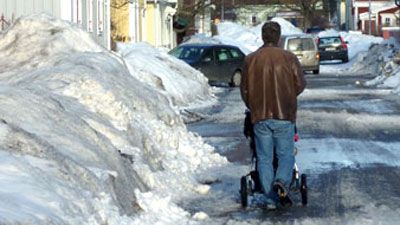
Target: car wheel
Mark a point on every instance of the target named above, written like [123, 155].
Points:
[346, 59]
[315, 71]
[236, 79]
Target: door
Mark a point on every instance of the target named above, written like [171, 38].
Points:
[225, 64]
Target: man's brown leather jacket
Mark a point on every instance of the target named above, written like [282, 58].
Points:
[271, 82]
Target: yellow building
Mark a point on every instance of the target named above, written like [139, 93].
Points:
[143, 20]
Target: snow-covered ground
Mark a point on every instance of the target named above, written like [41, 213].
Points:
[88, 136]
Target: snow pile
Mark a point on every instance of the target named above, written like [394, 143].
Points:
[238, 35]
[385, 59]
[176, 79]
[287, 28]
[81, 138]
[247, 39]
[357, 42]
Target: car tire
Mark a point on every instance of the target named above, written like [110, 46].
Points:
[346, 59]
[236, 79]
[315, 71]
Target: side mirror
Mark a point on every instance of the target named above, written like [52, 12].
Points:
[206, 59]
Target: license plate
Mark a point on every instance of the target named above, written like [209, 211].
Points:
[330, 49]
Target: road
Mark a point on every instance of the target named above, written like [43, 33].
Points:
[349, 149]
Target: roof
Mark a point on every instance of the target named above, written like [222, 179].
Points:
[379, 10]
[207, 45]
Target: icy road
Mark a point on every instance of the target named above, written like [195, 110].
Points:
[349, 148]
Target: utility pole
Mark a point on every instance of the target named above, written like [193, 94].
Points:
[222, 11]
[369, 17]
[339, 15]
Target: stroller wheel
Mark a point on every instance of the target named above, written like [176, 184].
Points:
[303, 189]
[243, 191]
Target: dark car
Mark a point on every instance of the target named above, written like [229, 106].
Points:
[333, 47]
[219, 63]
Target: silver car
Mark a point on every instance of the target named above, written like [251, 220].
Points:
[305, 48]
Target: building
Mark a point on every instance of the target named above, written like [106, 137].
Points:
[158, 23]
[364, 6]
[379, 20]
[92, 15]
[108, 21]
[143, 21]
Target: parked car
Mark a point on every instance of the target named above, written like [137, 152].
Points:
[218, 62]
[333, 47]
[305, 48]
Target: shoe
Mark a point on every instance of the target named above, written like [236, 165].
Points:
[282, 193]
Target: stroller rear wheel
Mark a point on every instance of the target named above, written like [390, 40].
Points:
[243, 191]
[303, 189]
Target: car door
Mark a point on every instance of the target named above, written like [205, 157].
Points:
[207, 63]
[225, 64]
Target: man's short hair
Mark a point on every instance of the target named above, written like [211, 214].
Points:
[271, 32]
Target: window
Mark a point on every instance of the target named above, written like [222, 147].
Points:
[387, 21]
[301, 44]
[223, 54]
[208, 55]
[235, 53]
[190, 53]
[330, 41]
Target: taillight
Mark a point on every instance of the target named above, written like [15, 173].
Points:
[317, 56]
[317, 41]
[344, 45]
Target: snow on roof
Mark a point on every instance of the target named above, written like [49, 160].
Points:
[387, 6]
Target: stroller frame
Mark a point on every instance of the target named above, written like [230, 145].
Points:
[250, 183]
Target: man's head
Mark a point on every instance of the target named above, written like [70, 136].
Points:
[271, 32]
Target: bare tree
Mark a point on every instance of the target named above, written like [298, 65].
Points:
[307, 8]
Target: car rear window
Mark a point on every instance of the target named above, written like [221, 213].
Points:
[187, 52]
[301, 44]
[330, 41]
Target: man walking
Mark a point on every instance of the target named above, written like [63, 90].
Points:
[272, 80]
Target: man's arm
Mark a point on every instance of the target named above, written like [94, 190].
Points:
[300, 81]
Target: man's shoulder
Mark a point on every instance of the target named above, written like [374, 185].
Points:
[272, 51]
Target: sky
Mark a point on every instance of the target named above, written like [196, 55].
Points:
[86, 133]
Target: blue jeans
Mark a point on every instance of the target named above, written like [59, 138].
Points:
[278, 134]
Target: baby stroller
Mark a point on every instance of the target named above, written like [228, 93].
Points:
[250, 183]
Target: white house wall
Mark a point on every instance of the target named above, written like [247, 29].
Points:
[11, 9]
[91, 15]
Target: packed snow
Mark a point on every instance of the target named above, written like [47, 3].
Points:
[84, 140]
